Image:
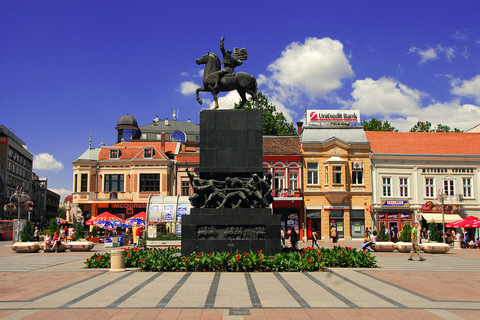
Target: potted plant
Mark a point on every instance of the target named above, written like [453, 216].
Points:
[26, 244]
[383, 242]
[9, 207]
[433, 245]
[28, 205]
[405, 243]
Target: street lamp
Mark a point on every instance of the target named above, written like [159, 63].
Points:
[442, 196]
[20, 197]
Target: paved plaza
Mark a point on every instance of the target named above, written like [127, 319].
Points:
[57, 286]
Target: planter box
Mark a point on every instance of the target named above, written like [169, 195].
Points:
[166, 243]
[403, 246]
[61, 248]
[384, 246]
[94, 240]
[26, 247]
[435, 247]
[80, 245]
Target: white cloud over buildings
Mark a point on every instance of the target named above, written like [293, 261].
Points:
[45, 161]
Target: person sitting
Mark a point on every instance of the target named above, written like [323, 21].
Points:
[47, 242]
[367, 242]
[56, 241]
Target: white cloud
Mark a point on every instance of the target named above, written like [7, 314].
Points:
[45, 161]
[433, 53]
[314, 68]
[62, 192]
[386, 96]
[467, 88]
[188, 87]
[460, 36]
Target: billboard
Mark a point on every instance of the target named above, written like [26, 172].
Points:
[318, 116]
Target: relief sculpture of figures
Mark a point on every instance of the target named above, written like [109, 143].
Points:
[216, 79]
[231, 193]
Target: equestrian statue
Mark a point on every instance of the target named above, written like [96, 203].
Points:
[216, 79]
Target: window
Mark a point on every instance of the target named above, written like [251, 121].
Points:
[357, 173]
[178, 136]
[467, 187]
[337, 174]
[387, 186]
[403, 183]
[113, 182]
[114, 154]
[312, 173]
[326, 174]
[293, 180]
[185, 188]
[148, 153]
[429, 188]
[149, 182]
[448, 186]
[75, 185]
[84, 183]
[279, 180]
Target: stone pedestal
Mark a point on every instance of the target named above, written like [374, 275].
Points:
[231, 145]
[117, 261]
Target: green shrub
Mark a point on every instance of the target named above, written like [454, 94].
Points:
[406, 233]
[303, 260]
[382, 235]
[26, 234]
[53, 227]
[94, 231]
[79, 231]
[434, 232]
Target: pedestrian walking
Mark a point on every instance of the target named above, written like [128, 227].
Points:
[415, 247]
[314, 238]
[333, 232]
[294, 239]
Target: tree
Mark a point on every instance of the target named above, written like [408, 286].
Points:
[273, 122]
[382, 234]
[421, 127]
[62, 212]
[53, 226]
[79, 231]
[26, 234]
[434, 235]
[377, 125]
[406, 233]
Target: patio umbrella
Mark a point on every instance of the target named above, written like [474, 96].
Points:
[137, 220]
[467, 222]
[106, 216]
[62, 221]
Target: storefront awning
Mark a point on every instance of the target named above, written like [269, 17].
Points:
[437, 217]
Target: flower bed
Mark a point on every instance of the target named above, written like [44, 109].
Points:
[304, 260]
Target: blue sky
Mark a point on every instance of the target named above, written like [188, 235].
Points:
[68, 67]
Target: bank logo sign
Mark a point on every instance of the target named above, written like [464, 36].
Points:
[350, 116]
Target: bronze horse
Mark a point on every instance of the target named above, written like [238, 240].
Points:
[240, 81]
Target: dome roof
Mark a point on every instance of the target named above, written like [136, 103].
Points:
[127, 120]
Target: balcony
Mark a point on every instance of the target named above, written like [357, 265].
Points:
[286, 193]
[106, 195]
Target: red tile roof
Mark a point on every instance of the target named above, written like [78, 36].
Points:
[281, 145]
[424, 142]
[189, 157]
[134, 150]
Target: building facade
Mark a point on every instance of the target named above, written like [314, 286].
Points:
[416, 173]
[336, 180]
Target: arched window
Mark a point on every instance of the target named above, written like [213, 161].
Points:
[178, 136]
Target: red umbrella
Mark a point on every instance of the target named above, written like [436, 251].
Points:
[476, 224]
[138, 219]
[467, 222]
[106, 216]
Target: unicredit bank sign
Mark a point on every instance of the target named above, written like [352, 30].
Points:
[317, 116]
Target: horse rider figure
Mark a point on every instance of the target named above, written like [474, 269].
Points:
[230, 62]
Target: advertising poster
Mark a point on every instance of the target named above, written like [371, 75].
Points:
[168, 212]
[182, 210]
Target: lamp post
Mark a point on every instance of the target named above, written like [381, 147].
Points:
[19, 196]
[442, 196]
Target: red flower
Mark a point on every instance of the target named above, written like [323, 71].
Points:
[245, 255]
[260, 251]
[261, 258]
[88, 259]
[128, 255]
[349, 248]
[238, 257]
[309, 260]
[185, 259]
[141, 260]
[319, 253]
[198, 255]
[149, 251]
[318, 260]
[341, 254]
[208, 255]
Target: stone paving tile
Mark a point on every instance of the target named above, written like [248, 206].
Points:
[466, 314]
[436, 285]
[167, 314]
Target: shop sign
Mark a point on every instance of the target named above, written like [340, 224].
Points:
[406, 216]
[316, 116]
[128, 205]
[395, 203]
[437, 208]
[381, 215]
[393, 216]
[447, 170]
[336, 207]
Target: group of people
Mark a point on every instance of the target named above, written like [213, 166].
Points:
[292, 235]
[51, 242]
[369, 239]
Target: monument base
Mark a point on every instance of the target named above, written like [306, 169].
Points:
[228, 230]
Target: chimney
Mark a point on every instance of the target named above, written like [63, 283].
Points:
[163, 141]
[299, 127]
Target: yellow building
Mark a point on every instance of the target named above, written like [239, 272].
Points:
[336, 180]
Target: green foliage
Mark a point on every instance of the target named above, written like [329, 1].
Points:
[382, 235]
[53, 227]
[434, 232]
[26, 234]
[94, 231]
[406, 233]
[427, 127]
[62, 213]
[304, 260]
[165, 237]
[79, 231]
[273, 122]
[377, 125]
